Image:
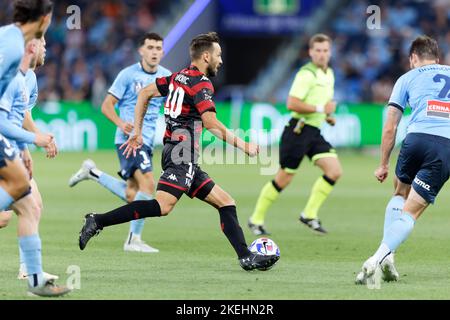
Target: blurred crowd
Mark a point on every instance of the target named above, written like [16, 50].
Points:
[82, 63]
[367, 62]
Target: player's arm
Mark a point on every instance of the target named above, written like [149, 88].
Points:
[396, 106]
[30, 125]
[150, 91]
[217, 128]
[109, 110]
[18, 134]
[394, 115]
[135, 141]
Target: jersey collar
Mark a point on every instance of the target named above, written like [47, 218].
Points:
[192, 67]
[142, 68]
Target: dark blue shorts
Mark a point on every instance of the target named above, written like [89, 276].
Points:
[142, 162]
[7, 152]
[424, 163]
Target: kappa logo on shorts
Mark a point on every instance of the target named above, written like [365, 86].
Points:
[436, 108]
[422, 184]
[172, 177]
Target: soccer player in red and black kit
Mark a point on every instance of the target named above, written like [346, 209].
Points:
[189, 108]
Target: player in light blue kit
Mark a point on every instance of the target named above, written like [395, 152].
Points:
[136, 171]
[31, 19]
[423, 162]
[17, 100]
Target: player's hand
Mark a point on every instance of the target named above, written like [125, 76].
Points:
[27, 161]
[381, 173]
[126, 127]
[52, 150]
[252, 149]
[330, 120]
[43, 139]
[133, 143]
[330, 107]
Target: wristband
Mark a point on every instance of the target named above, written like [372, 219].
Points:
[320, 108]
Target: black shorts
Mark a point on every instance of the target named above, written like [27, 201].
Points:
[424, 163]
[294, 146]
[7, 152]
[142, 162]
[178, 178]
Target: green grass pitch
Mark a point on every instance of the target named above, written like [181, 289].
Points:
[197, 262]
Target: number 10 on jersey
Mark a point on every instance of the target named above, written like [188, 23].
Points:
[174, 102]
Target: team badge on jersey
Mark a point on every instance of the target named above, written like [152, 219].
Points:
[138, 85]
[24, 95]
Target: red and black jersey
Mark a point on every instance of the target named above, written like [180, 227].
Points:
[189, 94]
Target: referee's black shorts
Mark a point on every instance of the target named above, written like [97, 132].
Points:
[294, 146]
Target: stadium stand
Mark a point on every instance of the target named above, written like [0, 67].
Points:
[367, 62]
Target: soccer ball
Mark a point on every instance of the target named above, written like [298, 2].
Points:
[264, 246]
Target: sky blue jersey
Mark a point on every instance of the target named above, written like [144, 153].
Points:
[32, 86]
[20, 96]
[126, 89]
[12, 49]
[427, 91]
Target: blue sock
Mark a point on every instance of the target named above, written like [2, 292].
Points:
[21, 257]
[31, 248]
[114, 185]
[5, 199]
[136, 226]
[393, 211]
[399, 231]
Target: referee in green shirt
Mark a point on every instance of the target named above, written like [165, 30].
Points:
[311, 102]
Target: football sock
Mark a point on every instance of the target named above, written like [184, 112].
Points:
[393, 211]
[268, 195]
[132, 211]
[5, 199]
[21, 257]
[320, 191]
[136, 226]
[114, 185]
[230, 226]
[31, 248]
[398, 231]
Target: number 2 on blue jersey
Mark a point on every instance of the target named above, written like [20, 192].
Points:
[446, 88]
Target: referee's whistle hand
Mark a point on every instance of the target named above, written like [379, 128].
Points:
[330, 107]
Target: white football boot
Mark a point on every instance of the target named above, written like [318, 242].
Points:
[388, 268]
[370, 273]
[22, 275]
[83, 174]
[136, 244]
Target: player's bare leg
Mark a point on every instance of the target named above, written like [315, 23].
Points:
[268, 195]
[132, 189]
[331, 167]
[37, 212]
[139, 187]
[14, 178]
